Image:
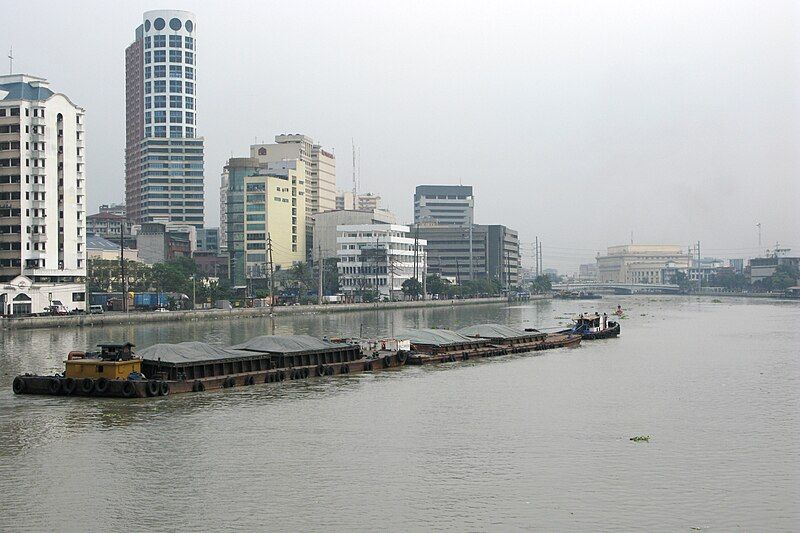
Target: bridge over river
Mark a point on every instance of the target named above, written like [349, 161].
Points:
[618, 288]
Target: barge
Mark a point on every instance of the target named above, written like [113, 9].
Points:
[431, 346]
[162, 369]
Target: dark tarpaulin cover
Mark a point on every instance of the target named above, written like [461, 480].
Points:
[433, 337]
[495, 331]
[286, 344]
[189, 352]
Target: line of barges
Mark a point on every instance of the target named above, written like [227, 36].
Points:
[117, 371]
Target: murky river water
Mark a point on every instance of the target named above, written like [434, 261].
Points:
[519, 442]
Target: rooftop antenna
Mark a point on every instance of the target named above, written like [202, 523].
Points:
[631, 236]
[355, 180]
[758, 225]
[11, 60]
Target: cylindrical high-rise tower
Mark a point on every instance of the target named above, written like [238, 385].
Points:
[164, 154]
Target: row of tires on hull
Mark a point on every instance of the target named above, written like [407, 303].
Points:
[94, 387]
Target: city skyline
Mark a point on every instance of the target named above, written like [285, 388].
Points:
[705, 127]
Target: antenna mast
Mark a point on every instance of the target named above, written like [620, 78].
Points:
[11, 60]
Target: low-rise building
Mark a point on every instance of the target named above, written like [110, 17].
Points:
[378, 257]
[762, 268]
[157, 244]
[108, 225]
[208, 240]
[640, 263]
[114, 209]
[325, 227]
[587, 271]
[101, 248]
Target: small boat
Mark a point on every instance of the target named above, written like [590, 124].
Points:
[596, 326]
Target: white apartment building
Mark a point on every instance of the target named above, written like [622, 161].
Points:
[320, 179]
[42, 198]
[378, 256]
[445, 205]
[640, 263]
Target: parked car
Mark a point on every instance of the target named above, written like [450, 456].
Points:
[57, 308]
[96, 310]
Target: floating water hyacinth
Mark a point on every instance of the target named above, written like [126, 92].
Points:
[641, 438]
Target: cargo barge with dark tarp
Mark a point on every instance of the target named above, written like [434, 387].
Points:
[484, 340]
[162, 369]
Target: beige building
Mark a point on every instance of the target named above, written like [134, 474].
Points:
[358, 202]
[274, 211]
[320, 171]
[639, 263]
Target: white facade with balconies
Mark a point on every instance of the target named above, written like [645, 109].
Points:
[378, 257]
[42, 197]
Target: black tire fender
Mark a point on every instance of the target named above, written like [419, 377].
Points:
[69, 385]
[163, 388]
[128, 389]
[152, 387]
[19, 385]
[101, 386]
[54, 385]
[87, 385]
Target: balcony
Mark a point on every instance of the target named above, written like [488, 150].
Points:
[38, 237]
[38, 154]
[36, 171]
[39, 220]
[38, 121]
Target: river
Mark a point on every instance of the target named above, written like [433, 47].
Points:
[518, 442]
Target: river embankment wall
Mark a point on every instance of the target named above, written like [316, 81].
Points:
[8, 323]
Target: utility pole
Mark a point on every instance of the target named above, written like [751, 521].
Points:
[458, 273]
[699, 268]
[377, 290]
[416, 255]
[124, 279]
[271, 275]
[508, 273]
[11, 60]
[320, 264]
[471, 259]
[758, 225]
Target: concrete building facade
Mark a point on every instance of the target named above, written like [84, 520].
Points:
[640, 263]
[325, 227]
[378, 257]
[357, 202]
[274, 209]
[320, 179]
[163, 153]
[156, 243]
[447, 205]
[42, 197]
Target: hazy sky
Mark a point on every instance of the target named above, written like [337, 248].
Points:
[580, 122]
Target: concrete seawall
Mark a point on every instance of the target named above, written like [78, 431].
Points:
[216, 314]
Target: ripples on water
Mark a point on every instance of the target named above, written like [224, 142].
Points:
[519, 442]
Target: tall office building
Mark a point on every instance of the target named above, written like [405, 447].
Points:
[42, 198]
[163, 153]
[449, 205]
[320, 180]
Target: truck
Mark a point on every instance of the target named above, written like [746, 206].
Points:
[150, 300]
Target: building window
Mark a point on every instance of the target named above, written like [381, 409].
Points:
[189, 58]
[159, 56]
[147, 87]
[175, 71]
[159, 41]
[175, 100]
[147, 58]
[189, 42]
[159, 117]
[147, 117]
[160, 86]
[147, 42]
[175, 116]
[189, 117]
[148, 102]
[160, 131]
[175, 56]
[148, 131]
[160, 71]
[176, 132]
[190, 132]
[147, 73]
[190, 73]
[189, 87]
[189, 102]
[175, 86]
[159, 101]
[175, 41]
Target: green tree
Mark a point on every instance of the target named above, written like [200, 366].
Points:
[541, 284]
[330, 279]
[785, 276]
[437, 285]
[412, 288]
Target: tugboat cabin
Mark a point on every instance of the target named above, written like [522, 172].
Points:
[114, 361]
[591, 323]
